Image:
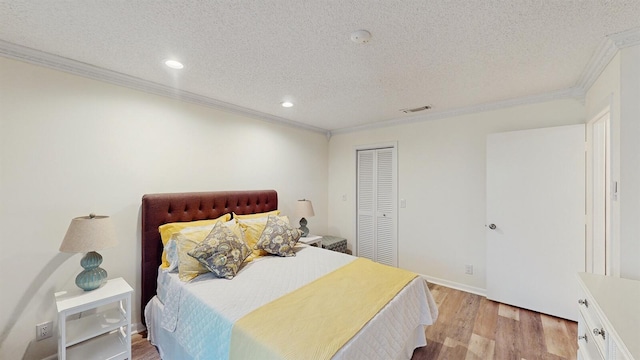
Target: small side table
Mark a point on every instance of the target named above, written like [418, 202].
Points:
[312, 240]
[105, 334]
[334, 243]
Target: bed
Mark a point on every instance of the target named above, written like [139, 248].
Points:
[211, 318]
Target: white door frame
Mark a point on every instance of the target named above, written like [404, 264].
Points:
[599, 152]
[382, 145]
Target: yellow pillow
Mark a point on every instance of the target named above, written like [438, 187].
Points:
[189, 266]
[253, 228]
[169, 229]
[255, 216]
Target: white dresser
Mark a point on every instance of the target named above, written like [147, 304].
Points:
[609, 320]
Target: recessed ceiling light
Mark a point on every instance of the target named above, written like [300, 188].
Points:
[174, 64]
[287, 104]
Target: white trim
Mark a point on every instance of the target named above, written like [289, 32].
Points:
[626, 38]
[382, 145]
[603, 55]
[605, 52]
[74, 67]
[455, 285]
[590, 188]
[599, 60]
[137, 328]
[572, 93]
[606, 105]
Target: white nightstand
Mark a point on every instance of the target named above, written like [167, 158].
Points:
[105, 333]
[312, 240]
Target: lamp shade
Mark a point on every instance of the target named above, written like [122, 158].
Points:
[304, 208]
[89, 233]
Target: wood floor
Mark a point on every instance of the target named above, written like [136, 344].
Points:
[470, 327]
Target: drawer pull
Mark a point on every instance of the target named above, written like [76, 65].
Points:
[583, 302]
[597, 332]
[583, 337]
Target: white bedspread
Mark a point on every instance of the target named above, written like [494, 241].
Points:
[194, 320]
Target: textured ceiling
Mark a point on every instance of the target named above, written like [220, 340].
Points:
[254, 54]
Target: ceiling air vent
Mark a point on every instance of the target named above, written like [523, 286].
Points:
[421, 108]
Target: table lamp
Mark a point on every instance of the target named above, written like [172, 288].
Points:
[304, 209]
[86, 234]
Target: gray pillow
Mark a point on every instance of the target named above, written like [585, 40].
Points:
[278, 237]
[222, 251]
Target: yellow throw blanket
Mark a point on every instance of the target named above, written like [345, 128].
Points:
[316, 320]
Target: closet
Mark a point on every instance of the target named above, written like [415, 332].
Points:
[376, 207]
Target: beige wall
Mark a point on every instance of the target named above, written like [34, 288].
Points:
[630, 163]
[441, 174]
[70, 146]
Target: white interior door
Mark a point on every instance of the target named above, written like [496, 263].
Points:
[387, 243]
[536, 200]
[376, 234]
[365, 232]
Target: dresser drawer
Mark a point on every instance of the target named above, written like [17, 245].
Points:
[592, 324]
[588, 348]
[609, 319]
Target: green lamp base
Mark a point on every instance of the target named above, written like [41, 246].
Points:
[303, 227]
[93, 276]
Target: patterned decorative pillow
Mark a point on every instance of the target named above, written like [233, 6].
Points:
[189, 238]
[278, 237]
[222, 251]
[252, 229]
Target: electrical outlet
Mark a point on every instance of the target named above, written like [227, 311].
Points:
[468, 269]
[44, 330]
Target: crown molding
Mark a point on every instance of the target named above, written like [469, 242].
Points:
[572, 93]
[626, 38]
[607, 49]
[604, 53]
[74, 67]
[599, 60]
[602, 56]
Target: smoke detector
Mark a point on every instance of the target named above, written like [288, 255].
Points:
[361, 36]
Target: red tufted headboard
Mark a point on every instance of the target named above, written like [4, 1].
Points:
[158, 209]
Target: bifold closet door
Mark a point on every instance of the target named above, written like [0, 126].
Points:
[376, 236]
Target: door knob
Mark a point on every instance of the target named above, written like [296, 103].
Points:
[597, 332]
[492, 226]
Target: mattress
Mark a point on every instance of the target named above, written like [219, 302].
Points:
[194, 320]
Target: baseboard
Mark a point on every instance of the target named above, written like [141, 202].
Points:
[137, 328]
[455, 285]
